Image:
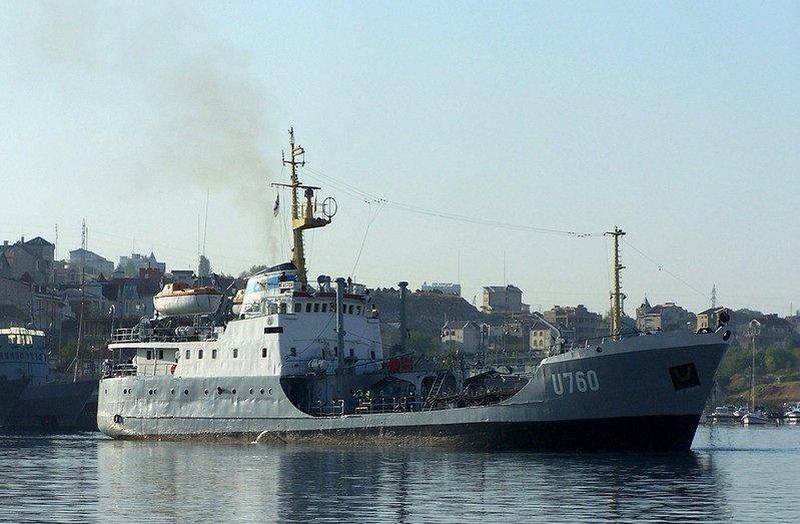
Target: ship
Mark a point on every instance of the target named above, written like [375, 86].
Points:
[302, 362]
[31, 396]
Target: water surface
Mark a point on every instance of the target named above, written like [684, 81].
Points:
[733, 473]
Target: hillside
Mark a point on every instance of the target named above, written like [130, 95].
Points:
[425, 312]
[777, 376]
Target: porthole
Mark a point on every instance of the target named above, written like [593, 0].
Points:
[262, 391]
[185, 391]
[251, 391]
[105, 391]
[172, 391]
[270, 391]
[233, 391]
[205, 392]
[599, 349]
[150, 392]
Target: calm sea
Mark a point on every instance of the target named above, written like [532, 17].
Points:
[742, 474]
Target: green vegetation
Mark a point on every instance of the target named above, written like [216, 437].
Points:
[777, 374]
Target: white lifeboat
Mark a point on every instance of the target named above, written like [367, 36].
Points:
[183, 300]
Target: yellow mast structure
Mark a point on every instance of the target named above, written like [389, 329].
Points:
[617, 296]
[302, 213]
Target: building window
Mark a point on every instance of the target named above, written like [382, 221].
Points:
[316, 307]
[358, 310]
[350, 309]
[352, 351]
[213, 353]
[372, 354]
[293, 352]
[282, 307]
[199, 353]
[188, 354]
[235, 353]
[263, 352]
[324, 307]
[308, 307]
[160, 354]
[149, 355]
[297, 307]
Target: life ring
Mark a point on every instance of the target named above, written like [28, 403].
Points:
[172, 369]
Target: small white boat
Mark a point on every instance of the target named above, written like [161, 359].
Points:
[755, 418]
[184, 300]
[792, 416]
[723, 414]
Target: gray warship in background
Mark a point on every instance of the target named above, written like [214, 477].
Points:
[302, 363]
[31, 397]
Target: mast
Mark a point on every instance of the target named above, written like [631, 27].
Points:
[617, 296]
[83, 301]
[303, 213]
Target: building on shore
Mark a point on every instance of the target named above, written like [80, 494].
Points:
[130, 265]
[503, 299]
[82, 260]
[462, 335]
[543, 336]
[663, 317]
[709, 319]
[581, 323]
[31, 259]
[445, 288]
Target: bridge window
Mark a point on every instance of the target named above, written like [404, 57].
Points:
[316, 307]
[160, 354]
[149, 355]
[324, 307]
[213, 353]
[188, 354]
[199, 353]
[350, 309]
[263, 352]
[235, 353]
[308, 307]
[297, 307]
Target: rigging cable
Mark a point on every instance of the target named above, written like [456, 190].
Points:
[665, 270]
[409, 208]
[370, 219]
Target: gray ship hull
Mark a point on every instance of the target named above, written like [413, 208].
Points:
[10, 391]
[642, 393]
[57, 405]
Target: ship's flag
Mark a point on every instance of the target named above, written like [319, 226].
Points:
[277, 205]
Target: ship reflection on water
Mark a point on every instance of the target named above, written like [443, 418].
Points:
[733, 473]
[195, 481]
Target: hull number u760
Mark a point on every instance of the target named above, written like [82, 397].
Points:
[571, 381]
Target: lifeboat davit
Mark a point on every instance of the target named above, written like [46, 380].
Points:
[184, 300]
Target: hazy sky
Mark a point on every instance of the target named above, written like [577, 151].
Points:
[679, 122]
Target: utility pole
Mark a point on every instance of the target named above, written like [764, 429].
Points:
[617, 296]
[83, 301]
[714, 296]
